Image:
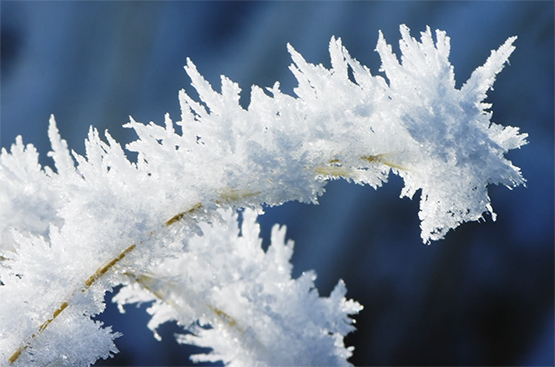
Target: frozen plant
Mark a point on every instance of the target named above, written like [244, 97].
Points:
[165, 227]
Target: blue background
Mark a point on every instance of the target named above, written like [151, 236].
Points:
[482, 296]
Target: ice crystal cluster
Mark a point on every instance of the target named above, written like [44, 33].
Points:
[165, 227]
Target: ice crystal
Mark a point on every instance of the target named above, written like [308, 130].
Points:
[257, 314]
[97, 221]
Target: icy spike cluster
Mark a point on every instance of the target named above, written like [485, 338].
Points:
[417, 124]
[454, 150]
[242, 302]
[69, 234]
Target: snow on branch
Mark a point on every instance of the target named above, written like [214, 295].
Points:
[164, 226]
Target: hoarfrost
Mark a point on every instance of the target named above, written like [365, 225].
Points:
[70, 234]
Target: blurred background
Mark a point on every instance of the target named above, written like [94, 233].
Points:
[483, 296]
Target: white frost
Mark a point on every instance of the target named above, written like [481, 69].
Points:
[257, 314]
[69, 235]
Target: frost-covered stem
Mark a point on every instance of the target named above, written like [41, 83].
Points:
[99, 273]
[67, 237]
